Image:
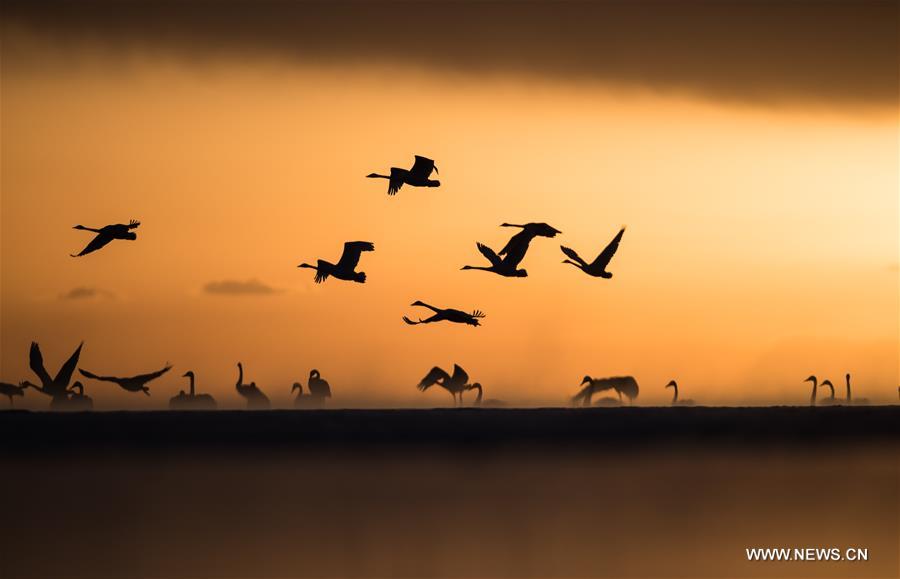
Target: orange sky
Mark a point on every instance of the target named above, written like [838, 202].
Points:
[762, 240]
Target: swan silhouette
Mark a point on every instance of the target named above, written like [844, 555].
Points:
[192, 401]
[850, 399]
[131, 383]
[58, 387]
[831, 401]
[256, 399]
[675, 400]
[815, 386]
[489, 403]
[10, 390]
[449, 315]
[345, 269]
[77, 399]
[319, 390]
[106, 234]
[506, 262]
[626, 385]
[596, 268]
[418, 176]
[455, 384]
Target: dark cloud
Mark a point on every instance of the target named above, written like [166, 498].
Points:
[86, 293]
[832, 52]
[251, 287]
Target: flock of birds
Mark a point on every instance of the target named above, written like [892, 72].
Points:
[505, 263]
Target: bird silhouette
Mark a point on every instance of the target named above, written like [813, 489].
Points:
[596, 268]
[506, 262]
[815, 387]
[418, 176]
[831, 401]
[489, 403]
[319, 390]
[57, 387]
[192, 400]
[345, 268]
[256, 399]
[675, 400]
[131, 383]
[626, 385]
[607, 402]
[455, 384]
[449, 315]
[77, 399]
[850, 399]
[107, 234]
[10, 390]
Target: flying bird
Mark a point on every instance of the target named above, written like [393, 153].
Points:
[418, 176]
[597, 268]
[10, 390]
[455, 384]
[57, 387]
[256, 398]
[506, 262]
[449, 315]
[107, 234]
[132, 383]
[345, 269]
[675, 400]
[192, 400]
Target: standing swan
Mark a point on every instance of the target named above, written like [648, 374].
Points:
[319, 390]
[418, 176]
[815, 385]
[850, 400]
[675, 400]
[256, 399]
[828, 401]
[489, 403]
[77, 398]
[192, 401]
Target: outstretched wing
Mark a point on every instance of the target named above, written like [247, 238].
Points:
[396, 180]
[93, 376]
[321, 271]
[352, 251]
[604, 258]
[459, 375]
[422, 168]
[518, 239]
[144, 378]
[517, 247]
[99, 241]
[433, 377]
[36, 361]
[65, 373]
[488, 253]
[134, 224]
[570, 253]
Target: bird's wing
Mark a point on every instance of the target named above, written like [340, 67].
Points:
[93, 376]
[517, 239]
[570, 253]
[65, 373]
[396, 180]
[433, 377]
[604, 258]
[352, 251]
[543, 229]
[321, 273]
[99, 241]
[422, 168]
[460, 376]
[517, 247]
[488, 253]
[133, 224]
[320, 388]
[36, 361]
[144, 378]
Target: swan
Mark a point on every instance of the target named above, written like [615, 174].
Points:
[675, 400]
[417, 176]
[256, 399]
[506, 262]
[626, 385]
[10, 390]
[815, 385]
[192, 401]
[449, 315]
[58, 387]
[319, 390]
[596, 268]
[850, 400]
[77, 399]
[107, 234]
[489, 403]
[828, 401]
[131, 383]
[455, 384]
[345, 268]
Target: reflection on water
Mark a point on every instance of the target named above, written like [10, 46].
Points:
[672, 512]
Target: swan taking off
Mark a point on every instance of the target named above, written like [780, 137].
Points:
[58, 387]
[675, 400]
[107, 234]
[345, 269]
[626, 385]
[133, 383]
[596, 268]
[449, 315]
[455, 384]
[418, 176]
[506, 262]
